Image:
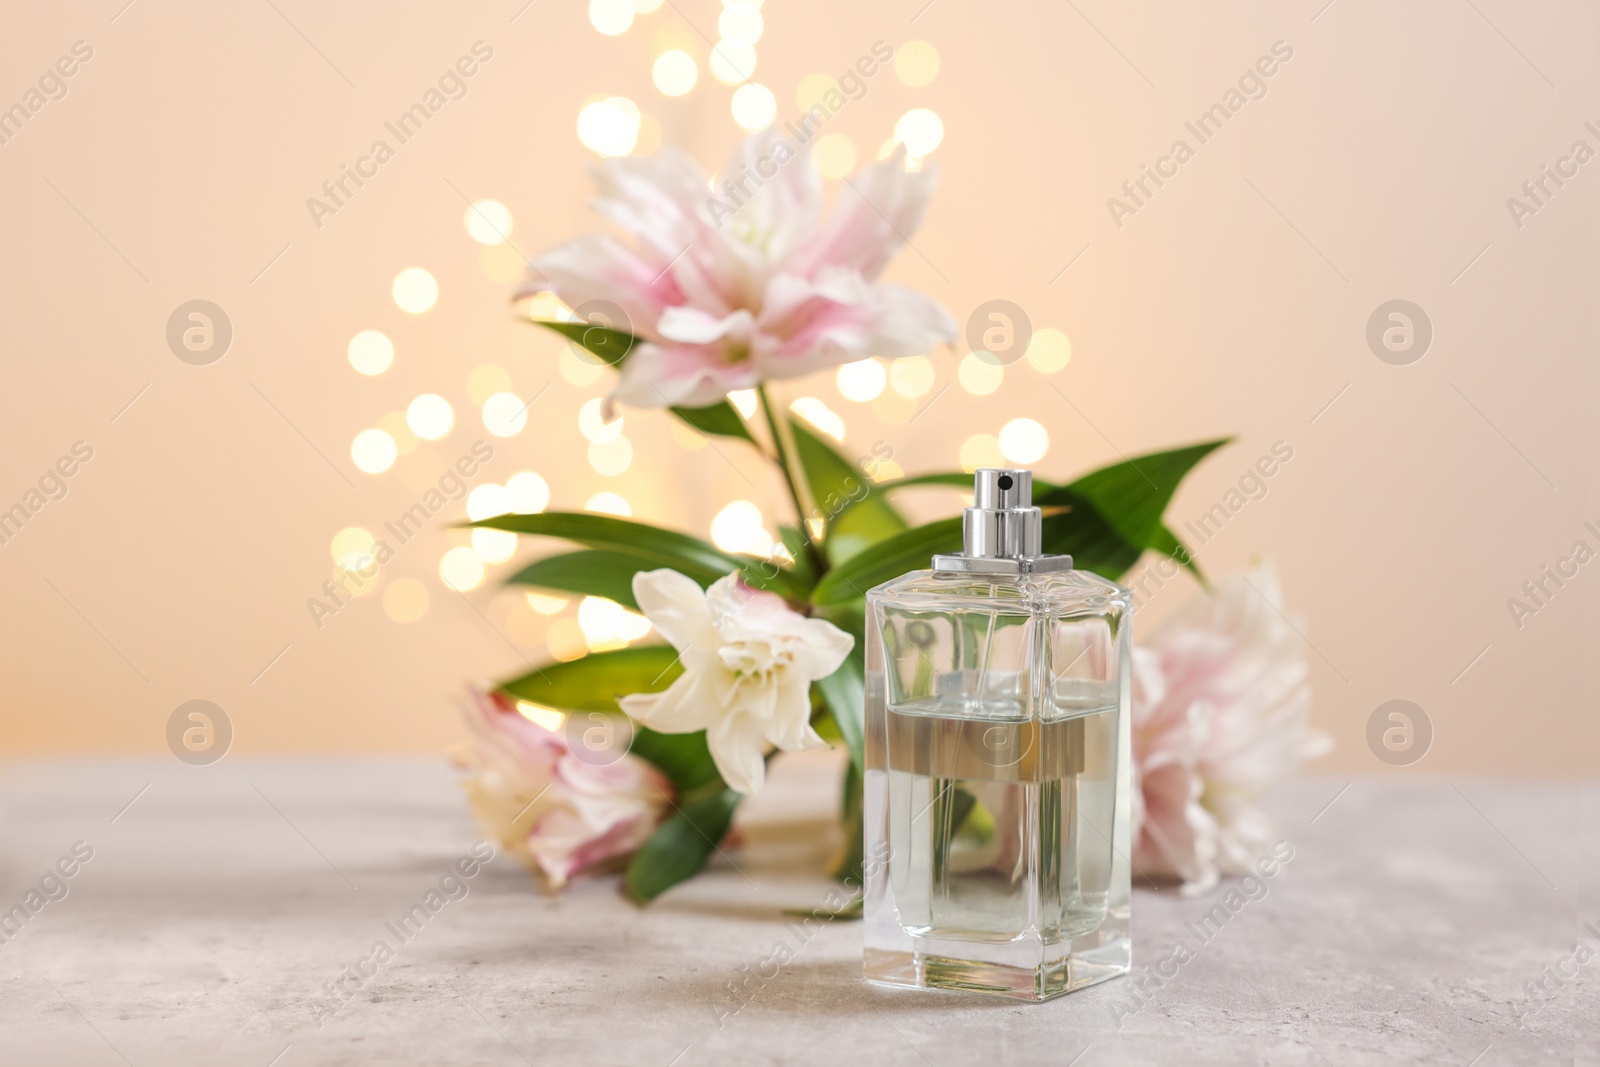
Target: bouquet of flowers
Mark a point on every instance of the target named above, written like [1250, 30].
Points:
[642, 754]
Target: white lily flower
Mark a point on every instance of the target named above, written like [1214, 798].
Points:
[748, 664]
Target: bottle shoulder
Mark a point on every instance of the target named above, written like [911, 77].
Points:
[1060, 592]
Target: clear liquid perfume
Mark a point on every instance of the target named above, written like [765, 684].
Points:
[997, 747]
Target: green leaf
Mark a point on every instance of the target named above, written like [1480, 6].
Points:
[719, 418]
[1133, 495]
[1083, 533]
[1104, 520]
[977, 825]
[848, 866]
[590, 572]
[804, 569]
[1166, 542]
[698, 559]
[958, 479]
[592, 685]
[962, 805]
[594, 682]
[664, 548]
[946, 813]
[822, 722]
[906, 551]
[857, 515]
[612, 346]
[683, 758]
[845, 690]
[681, 846]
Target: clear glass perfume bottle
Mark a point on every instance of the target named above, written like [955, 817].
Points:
[997, 746]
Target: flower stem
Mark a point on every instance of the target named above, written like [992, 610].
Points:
[793, 476]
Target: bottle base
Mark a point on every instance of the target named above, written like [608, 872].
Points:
[1050, 979]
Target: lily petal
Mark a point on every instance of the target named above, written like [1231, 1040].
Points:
[685, 706]
[736, 744]
[676, 606]
[695, 327]
[600, 268]
[660, 376]
[876, 214]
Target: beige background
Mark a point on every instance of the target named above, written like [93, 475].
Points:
[1378, 167]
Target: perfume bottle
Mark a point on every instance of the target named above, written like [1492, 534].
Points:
[996, 774]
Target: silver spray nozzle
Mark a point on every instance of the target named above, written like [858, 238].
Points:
[1002, 523]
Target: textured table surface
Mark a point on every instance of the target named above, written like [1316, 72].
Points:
[220, 903]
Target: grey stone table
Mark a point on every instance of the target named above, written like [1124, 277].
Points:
[220, 906]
